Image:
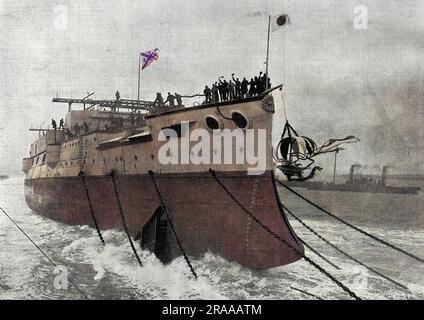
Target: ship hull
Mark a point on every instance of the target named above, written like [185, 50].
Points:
[203, 214]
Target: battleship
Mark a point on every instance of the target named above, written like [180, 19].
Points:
[101, 168]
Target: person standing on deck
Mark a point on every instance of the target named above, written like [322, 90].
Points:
[207, 93]
[244, 89]
[221, 90]
[159, 100]
[258, 84]
[231, 90]
[54, 125]
[117, 101]
[215, 93]
[237, 87]
[77, 129]
[252, 88]
[179, 100]
[171, 99]
[224, 88]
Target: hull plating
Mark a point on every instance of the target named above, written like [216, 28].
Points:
[205, 217]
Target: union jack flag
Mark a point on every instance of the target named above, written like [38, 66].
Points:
[149, 57]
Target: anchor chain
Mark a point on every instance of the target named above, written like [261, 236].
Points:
[82, 152]
[318, 254]
[306, 293]
[124, 223]
[82, 175]
[341, 251]
[277, 237]
[162, 202]
[411, 255]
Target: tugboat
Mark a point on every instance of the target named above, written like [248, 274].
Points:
[102, 167]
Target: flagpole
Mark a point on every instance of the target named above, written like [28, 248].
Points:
[267, 52]
[138, 90]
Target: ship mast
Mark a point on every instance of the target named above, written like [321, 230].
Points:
[267, 52]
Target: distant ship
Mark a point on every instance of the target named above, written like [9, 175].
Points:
[120, 137]
[357, 184]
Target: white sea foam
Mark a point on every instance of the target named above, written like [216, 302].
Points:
[111, 270]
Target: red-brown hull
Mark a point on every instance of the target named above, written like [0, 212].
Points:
[204, 216]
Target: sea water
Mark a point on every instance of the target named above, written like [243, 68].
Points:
[111, 271]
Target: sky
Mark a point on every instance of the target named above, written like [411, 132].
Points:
[338, 80]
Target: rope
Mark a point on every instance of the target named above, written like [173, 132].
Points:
[194, 95]
[318, 254]
[42, 252]
[284, 68]
[284, 47]
[219, 110]
[351, 225]
[124, 223]
[341, 251]
[307, 293]
[162, 202]
[284, 103]
[82, 175]
[277, 237]
[290, 140]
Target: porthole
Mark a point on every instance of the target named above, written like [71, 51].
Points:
[213, 123]
[239, 120]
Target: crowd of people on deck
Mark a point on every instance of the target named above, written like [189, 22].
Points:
[119, 122]
[136, 119]
[77, 129]
[223, 90]
[170, 99]
[61, 125]
[115, 122]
